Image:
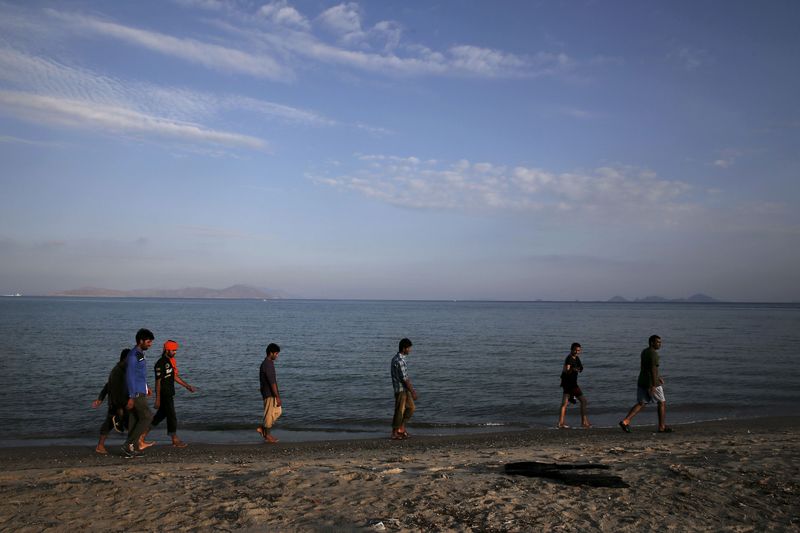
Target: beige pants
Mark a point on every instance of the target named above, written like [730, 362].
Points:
[272, 412]
[403, 409]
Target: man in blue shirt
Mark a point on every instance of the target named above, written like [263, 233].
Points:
[404, 392]
[138, 391]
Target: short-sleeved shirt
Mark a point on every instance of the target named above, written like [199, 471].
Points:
[570, 379]
[266, 377]
[646, 377]
[399, 373]
[165, 371]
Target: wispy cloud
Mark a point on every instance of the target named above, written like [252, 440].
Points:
[38, 83]
[281, 13]
[412, 182]
[209, 55]
[31, 142]
[578, 113]
[727, 158]
[690, 58]
[79, 114]
[379, 48]
[218, 233]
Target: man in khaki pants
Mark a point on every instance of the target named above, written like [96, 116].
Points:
[269, 392]
[404, 392]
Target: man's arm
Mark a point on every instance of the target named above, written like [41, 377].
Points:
[410, 387]
[100, 397]
[655, 379]
[274, 388]
[130, 379]
[183, 383]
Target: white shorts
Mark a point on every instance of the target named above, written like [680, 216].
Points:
[643, 395]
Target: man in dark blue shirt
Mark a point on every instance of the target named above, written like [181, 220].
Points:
[138, 391]
[269, 393]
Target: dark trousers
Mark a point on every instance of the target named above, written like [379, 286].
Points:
[108, 423]
[166, 409]
[138, 419]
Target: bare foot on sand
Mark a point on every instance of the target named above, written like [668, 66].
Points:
[101, 450]
[143, 444]
[270, 439]
[179, 444]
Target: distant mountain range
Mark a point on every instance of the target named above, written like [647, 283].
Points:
[695, 298]
[232, 292]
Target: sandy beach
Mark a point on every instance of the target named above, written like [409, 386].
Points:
[727, 475]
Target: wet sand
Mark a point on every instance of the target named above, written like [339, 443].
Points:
[741, 475]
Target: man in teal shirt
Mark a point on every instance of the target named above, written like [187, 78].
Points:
[649, 387]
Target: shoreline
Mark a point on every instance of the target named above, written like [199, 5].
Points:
[545, 436]
[734, 474]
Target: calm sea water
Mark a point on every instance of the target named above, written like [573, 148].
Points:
[478, 366]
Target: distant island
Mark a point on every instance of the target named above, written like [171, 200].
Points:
[242, 292]
[695, 298]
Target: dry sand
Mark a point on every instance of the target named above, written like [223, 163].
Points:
[718, 476]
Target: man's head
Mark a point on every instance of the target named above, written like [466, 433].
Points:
[170, 348]
[272, 351]
[144, 339]
[654, 341]
[575, 349]
[405, 346]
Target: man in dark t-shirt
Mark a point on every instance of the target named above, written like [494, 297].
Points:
[569, 382]
[166, 370]
[649, 387]
[269, 393]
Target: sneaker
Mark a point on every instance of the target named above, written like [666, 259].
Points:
[128, 451]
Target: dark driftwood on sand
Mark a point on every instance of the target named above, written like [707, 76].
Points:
[569, 474]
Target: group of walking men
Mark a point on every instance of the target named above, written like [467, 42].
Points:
[649, 387]
[128, 392]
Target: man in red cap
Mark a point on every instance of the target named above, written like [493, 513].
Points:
[166, 375]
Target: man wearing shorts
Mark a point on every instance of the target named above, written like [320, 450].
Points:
[569, 382]
[649, 387]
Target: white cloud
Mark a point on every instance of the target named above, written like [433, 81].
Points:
[380, 49]
[281, 13]
[275, 37]
[690, 58]
[344, 20]
[210, 5]
[606, 191]
[31, 142]
[39, 77]
[52, 111]
[208, 55]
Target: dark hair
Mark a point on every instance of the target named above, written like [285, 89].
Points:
[144, 335]
[404, 343]
[652, 339]
[124, 353]
[575, 345]
[273, 348]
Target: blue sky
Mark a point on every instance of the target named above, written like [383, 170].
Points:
[422, 150]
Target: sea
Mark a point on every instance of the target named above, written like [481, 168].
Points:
[477, 366]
